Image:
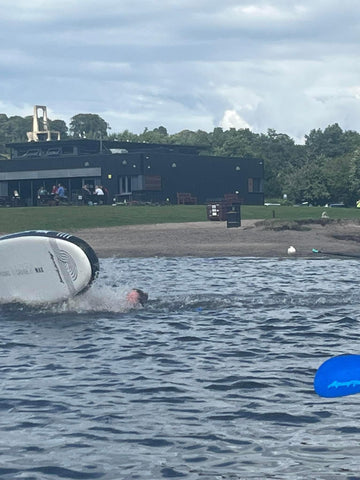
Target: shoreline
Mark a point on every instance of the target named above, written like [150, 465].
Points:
[254, 238]
[214, 239]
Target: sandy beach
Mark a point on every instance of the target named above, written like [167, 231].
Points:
[208, 239]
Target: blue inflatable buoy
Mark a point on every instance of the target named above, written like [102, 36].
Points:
[338, 376]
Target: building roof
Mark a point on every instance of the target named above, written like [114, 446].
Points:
[95, 146]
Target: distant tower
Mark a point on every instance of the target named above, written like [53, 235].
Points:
[43, 134]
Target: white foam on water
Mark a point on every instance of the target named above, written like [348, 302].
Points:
[98, 298]
[106, 294]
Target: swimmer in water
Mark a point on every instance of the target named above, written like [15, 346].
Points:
[137, 297]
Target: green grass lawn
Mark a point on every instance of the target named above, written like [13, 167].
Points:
[67, 218]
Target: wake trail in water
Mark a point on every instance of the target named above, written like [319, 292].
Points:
[251, 288]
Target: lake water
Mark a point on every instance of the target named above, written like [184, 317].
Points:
[213, 379]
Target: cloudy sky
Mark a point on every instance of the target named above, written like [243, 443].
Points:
[184, 64]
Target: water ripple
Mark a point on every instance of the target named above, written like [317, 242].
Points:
[211, 380]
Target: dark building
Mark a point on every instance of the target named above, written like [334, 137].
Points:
[129, 171]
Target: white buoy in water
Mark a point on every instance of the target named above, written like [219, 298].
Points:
[291, 250]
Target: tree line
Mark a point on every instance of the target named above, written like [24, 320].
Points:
[325, 169]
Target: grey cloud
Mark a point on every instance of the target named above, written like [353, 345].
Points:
[284, 64]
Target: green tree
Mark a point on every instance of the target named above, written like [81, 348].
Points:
[14, 130]
[88, 125]
[158, 135]
[308, 184]
[3, 121]
[188, 137]
[352, 140]
[216, 139]
[59, 126]
[354, 177]
[125, 136]
[332, 142]
[161, 131]
[238, 143]
[280, 155]
[337, 173]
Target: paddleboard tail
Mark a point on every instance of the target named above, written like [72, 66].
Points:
[62, 269]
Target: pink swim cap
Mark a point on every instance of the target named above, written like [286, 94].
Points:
[133, 297]
[137, 297]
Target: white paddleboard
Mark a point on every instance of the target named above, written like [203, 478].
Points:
[43, 266]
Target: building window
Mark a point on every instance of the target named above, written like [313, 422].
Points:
[125, 185]
[255, 185]
[130, 183]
